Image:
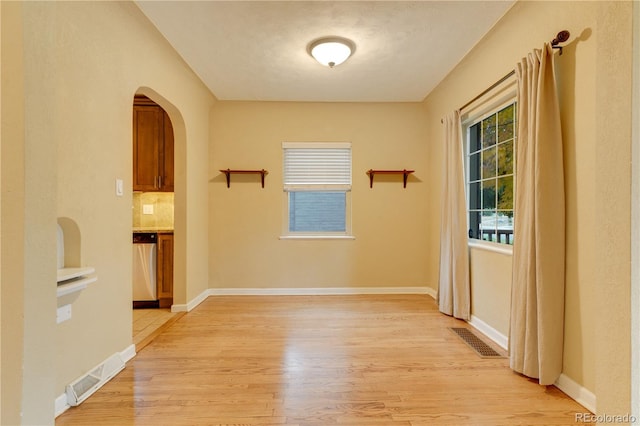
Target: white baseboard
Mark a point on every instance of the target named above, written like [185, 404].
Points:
[188, 307]
[61, 402]
[128, 353]
[493, 334]
[315, 291]
[577, 392]
[431, 292]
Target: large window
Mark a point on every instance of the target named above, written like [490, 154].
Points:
[317, 184]
[491, 145]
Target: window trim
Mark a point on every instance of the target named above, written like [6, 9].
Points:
[500, 97]
[316, 237]
[347, 234]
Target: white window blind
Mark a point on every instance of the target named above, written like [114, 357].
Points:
[316, 166]
[317, 185]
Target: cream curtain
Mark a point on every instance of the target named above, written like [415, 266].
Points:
[453, 287]
[537, 294]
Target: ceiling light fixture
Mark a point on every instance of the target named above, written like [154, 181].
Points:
[331, 51]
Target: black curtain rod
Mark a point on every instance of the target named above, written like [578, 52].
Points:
[560, 38]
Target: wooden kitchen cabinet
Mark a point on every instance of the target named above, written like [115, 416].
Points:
[167, 154]
[165, 269]
[152, 147]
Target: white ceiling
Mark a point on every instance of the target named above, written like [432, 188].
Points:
[257, 50]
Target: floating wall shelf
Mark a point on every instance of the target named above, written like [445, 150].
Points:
[405, 173]
[228, 173]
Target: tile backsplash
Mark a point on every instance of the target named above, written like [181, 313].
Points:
[162, 205]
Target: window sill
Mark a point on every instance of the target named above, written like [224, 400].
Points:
[493, 247]
[317, 237]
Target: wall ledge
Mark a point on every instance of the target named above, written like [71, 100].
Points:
[489, 246]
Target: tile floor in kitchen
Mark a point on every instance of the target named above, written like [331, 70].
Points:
[147, 322]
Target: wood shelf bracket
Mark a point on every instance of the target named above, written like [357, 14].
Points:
[229, 172]
[405, 174]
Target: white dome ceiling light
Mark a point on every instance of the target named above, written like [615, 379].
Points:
[331, 51]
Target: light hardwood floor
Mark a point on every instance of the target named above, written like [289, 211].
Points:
[318, 360]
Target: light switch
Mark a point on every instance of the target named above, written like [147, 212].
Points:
[147, 209]
[119, 188]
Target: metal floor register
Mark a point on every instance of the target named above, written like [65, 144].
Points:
[481, 348]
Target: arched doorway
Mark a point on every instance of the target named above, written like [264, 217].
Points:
[158, 129]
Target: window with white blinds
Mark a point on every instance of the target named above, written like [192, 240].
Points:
[317, 183]
[317, 165]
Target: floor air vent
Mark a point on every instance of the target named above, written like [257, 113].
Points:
[481, 348]
[86, 385]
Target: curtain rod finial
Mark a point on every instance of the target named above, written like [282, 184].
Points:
[561, 37]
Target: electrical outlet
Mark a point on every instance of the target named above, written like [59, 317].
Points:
[147, 209]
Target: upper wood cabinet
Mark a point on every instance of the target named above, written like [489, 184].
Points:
[152, 147]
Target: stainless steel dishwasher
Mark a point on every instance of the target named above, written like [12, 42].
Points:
[144, 270]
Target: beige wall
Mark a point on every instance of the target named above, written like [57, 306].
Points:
[11, 216]
[83, 62]
[389, 222]
[28, 195]
[1, 191]
[594, 84]
[613, 186]
[490, 289]
[635, 219]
